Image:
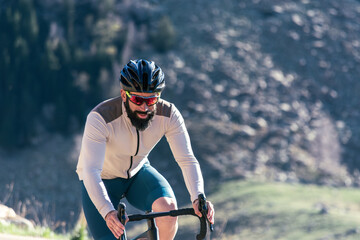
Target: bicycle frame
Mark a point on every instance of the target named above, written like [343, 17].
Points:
[152, 232]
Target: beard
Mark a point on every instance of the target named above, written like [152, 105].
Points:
[139, 123]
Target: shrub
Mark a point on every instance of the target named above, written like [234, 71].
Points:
[164, 36]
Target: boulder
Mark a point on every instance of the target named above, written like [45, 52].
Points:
[8, 216]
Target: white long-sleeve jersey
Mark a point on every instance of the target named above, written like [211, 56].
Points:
[112, 147]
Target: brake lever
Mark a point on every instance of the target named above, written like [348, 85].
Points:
[122, 217]
[203, 208]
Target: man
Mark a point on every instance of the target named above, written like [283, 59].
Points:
[119, 134]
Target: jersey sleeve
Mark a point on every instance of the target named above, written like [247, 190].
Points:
[93, 155]
[179, 141]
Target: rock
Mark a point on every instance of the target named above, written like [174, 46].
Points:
[8, 216]
[6, 212]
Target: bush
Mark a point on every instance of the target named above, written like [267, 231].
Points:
[164, 36]
[80, 234]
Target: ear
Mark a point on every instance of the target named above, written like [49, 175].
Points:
[123, 95]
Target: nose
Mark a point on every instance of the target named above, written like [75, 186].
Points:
[144, 107]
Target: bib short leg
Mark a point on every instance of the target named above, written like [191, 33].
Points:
[140, 191]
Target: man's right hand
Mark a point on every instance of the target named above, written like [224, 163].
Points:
[114, 224]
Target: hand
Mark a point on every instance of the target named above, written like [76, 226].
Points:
[114, 224]
[211, 211]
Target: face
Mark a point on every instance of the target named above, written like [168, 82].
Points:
[140, 115]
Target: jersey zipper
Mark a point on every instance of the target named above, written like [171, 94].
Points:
[137, 150]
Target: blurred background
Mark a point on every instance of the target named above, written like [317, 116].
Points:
[268, 89]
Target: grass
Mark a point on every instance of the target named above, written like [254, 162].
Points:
[43, 232]
[80, 233]
[262, 210]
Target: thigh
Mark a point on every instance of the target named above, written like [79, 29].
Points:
[97, 225]
[95, 221]
[147, 186]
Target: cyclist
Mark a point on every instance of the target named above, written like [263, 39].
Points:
[113, 163]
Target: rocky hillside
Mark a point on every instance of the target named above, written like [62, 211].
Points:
[267, 88]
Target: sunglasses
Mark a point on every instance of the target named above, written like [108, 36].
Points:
[138, 100]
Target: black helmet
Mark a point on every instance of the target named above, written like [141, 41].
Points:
[142, 76]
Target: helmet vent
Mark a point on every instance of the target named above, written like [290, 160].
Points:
[133, 75]
[145, 81]
[136, 85]
[156, 74]
[153, 85]
[125, 81]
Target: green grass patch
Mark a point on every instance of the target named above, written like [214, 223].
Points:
[43, 232]
[79, 233]
[262, 210]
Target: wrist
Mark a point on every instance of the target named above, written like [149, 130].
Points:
[108, 214]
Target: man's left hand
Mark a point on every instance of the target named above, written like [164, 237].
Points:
[211, 211]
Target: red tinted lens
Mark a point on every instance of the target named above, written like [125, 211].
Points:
[151, 101]
[139, 100]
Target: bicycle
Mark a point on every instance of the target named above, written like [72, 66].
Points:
[152, 232]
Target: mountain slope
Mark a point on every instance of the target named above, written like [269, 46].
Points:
[271, 86]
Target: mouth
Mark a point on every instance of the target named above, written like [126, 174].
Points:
[142, 115]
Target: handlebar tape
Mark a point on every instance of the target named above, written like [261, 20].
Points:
[173, 213]
[203, 209]
[203, 229]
